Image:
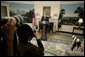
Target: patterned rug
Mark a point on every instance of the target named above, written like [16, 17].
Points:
[54, 47]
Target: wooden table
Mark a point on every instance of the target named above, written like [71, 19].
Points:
[78, 28]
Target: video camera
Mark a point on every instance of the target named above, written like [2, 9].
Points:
[16, 19]
[76, 38]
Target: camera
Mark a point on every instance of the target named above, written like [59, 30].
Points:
[34, 30]
[76, 38]
[3, 21]
[16, 19]
[77, 42]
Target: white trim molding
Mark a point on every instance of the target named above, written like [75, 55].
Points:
[8, 14]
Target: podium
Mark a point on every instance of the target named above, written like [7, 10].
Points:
[44, 35]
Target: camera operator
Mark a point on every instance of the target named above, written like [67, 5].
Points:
[17, 21]
[69, 51]
[3, 46]
[8, 30]
[25, 47]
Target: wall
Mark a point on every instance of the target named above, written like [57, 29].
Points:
[70, 8]
[69, 28]
[55, 9]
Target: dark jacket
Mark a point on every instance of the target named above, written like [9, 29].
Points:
[59, 24]
[30, 49]
[47, 19]
[3, 46]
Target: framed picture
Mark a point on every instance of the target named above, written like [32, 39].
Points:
[47, 10]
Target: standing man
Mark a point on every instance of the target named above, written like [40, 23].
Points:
[45, 18]
[59, 24]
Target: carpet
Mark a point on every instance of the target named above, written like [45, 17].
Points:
[54, 47]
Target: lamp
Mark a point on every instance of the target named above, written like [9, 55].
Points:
[80, 21]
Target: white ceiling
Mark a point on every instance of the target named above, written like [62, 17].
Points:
[32, 2]
[24, 2]
[71, 2]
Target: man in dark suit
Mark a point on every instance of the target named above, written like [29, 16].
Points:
[45, 18]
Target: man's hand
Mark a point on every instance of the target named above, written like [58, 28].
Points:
[36, 35]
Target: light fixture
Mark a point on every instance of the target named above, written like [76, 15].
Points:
[80, 21]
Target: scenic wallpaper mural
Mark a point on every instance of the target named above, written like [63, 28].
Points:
[72, 13]
[69, 12]
[25, 10]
